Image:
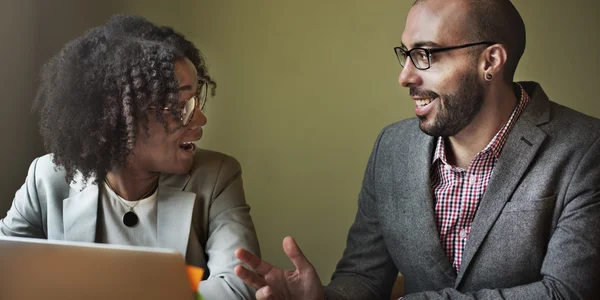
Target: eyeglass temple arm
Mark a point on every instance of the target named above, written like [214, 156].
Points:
[460, 46]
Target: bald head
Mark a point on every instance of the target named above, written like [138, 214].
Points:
[497, 21]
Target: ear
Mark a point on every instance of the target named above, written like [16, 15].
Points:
[494, 60]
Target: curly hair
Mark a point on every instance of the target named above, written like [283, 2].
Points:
[95, 92]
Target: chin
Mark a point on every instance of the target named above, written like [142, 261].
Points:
[426, 127]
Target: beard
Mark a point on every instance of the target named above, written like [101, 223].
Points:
[455, 111]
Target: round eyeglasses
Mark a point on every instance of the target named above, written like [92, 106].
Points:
[196, 101]
[190, 105]
[421, 57]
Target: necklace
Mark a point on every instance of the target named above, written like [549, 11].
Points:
[130, 218]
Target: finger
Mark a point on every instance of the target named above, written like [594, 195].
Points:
[250, 278]
[264, 293]
[260, 266]
[292, 250]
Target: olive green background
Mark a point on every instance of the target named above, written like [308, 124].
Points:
[304, 88]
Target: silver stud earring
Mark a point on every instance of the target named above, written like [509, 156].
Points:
[488, 77]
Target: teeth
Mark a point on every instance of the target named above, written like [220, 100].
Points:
[190, 146]
[423, 102]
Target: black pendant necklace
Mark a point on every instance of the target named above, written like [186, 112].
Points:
[130, 219]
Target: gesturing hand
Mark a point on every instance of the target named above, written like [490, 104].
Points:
[273, 283]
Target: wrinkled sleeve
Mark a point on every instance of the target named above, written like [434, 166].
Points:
[24, 219]
[230, 228]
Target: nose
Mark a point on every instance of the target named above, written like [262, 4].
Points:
[198, 120]
[409, 76]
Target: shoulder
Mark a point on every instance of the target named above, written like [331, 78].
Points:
[212, 172]
[402, 136]
[565, 120]
[558, 121]
[45, 165]
[45, 181]
[45, 172]
[213, 168]
[212, 161]
[407, 128]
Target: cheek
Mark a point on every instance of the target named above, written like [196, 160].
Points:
[159, 141]
[449, 74]
[450, 83]
[156, 139]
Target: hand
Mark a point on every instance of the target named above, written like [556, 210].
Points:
[273, 283]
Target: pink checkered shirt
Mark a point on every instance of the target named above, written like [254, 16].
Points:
[458, 191]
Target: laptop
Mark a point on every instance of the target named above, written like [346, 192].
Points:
[51, 270]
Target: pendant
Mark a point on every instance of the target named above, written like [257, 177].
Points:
[130, 219]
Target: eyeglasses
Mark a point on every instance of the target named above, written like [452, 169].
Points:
[196, 101]
[421, 57]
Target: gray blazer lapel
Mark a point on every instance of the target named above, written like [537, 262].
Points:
[413, 189]
[80, 213]
[174, 209]
[517, 154]
[425, 223]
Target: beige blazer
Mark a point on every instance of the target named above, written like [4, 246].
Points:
[202, 215]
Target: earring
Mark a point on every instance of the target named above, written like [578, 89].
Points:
[488, 77]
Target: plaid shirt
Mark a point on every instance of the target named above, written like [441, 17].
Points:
[458, 191]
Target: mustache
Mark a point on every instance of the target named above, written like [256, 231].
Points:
[419, 93]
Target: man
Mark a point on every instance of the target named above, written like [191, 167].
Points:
[497, 196]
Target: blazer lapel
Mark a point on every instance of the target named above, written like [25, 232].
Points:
[517, 154]
[80, 212]
[174, 213]
[415, 188]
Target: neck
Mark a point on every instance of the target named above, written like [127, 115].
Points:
[499, 103]
[130, 185]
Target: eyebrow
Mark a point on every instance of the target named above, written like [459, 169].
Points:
[424, 44]
[184, 88]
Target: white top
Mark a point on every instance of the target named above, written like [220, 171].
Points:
[111, 210]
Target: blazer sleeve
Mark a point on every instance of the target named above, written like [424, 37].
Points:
[366, 270]
[230, 227]
[24, 219]
[571, 267]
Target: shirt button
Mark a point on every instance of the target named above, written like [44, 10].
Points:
[463, 234]
[472, 179]
[447, 167]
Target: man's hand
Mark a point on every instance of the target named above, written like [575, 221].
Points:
[273, 283]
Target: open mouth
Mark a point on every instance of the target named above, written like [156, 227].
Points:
[423, 102]
[188, 146]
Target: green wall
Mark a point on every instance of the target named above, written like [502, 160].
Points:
[305, 86]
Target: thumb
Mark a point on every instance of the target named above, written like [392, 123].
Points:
[292, 251]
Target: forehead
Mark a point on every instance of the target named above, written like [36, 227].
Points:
[186, 73]
[436, 22]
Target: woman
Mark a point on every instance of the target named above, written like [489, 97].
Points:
[120, 109]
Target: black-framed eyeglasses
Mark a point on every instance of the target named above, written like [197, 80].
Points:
[196, 101]
[421, 57]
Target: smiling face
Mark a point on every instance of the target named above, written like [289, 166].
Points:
[448, 95]
[171, 151]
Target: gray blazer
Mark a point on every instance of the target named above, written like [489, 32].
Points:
[536, 234]
[202, 215]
